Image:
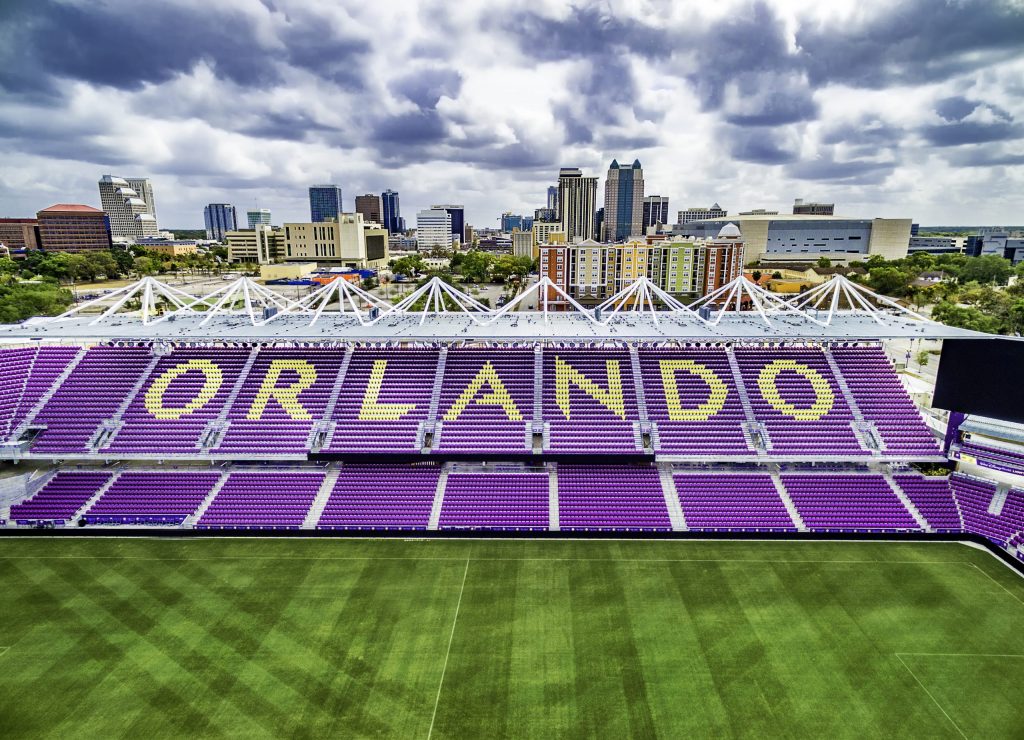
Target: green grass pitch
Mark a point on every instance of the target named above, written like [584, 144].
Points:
[150, 638]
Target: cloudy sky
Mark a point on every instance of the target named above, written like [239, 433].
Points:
[888, 108]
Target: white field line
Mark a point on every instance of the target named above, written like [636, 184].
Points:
[1011, 593]
[934, 700]
[451, 637]
[963, 655]
[4, 649]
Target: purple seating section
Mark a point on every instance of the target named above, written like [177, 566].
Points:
[590, 498]
[488, 427]
[882, 399]
[485, 403]
[277, 431]
[91, 394]
[143, 433]
[611, 498]
[501, 501]
[587, 425]
[933, 499]
[60, 498]
[843, 502]
[381, 497]
[830, 435]
[25, 375]
[730, 503]
[407, 378]
[262, 501]
[720, 433]
[151, 498]
[975, 496]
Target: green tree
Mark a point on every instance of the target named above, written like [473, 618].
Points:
[922, 358]
[756, 274]
[19, 301]
[824, 262]
[988, 268]
[411, 265]
[889, 280]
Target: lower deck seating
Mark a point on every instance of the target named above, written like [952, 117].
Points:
[381, 497]
[844, 502]
[262, 501]
[975, 497]
[61, 497]
[613, 497]
[933, 499]
[502, 501]
[741, 502]
[152, 498]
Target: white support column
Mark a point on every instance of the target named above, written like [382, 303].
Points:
[553, 517]
[435, 510]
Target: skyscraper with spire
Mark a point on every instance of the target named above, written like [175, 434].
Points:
[623, 202]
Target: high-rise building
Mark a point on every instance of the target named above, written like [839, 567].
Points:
[813, 209]
[511, 221]
[655, 211]
[19, 234]
[69, 227]
[553, 197]
[324, 203]
[545, 214]
[695, 213]
[522, 243]
[434, 228]
[369, 206]
[623, 202]
[577, 203]
[129, 205]
[220, 218]
[458, 215]
[257, 217]
[391, 212]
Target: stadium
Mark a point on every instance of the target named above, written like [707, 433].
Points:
[246, 514]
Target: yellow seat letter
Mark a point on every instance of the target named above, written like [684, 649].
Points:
[823, 402]
[610, 397]
[287, 396]
[373, 411]
[499, 395]
[717, 391]
[154, 398]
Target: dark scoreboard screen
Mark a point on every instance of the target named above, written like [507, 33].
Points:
[983, 377]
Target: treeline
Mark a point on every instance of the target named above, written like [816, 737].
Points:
[473, 266]
[37, 284]
[971, 293]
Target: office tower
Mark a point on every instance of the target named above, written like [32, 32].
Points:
[655, 211]
[369, 206]
[434, 228]
[324, 203]
[129, 205]
[220, 218]
[258, 216]
[813, 209]
[577, 202]
[458, 214]
[510, 221]
[69, 227]
[623, 202]
[391, 212]
[599, 221]
[553, 197]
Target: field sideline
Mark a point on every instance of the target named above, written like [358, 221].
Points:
[435, 638]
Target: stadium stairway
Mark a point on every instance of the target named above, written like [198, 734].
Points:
[77, 516]
[752, 425]
[553, 523]
[675, 509]
[794, 513]
[901, 494]
[641, 400]
[864, 430]
[216, 429]
[45, 398]
[191, 519]
[435, 509]
[316, 510]
[995, 507]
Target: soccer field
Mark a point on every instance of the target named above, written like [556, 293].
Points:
[113, 637]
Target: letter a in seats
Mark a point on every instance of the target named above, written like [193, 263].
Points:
[286, 395]
[373, 411]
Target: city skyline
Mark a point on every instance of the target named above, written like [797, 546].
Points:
[891, 111]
